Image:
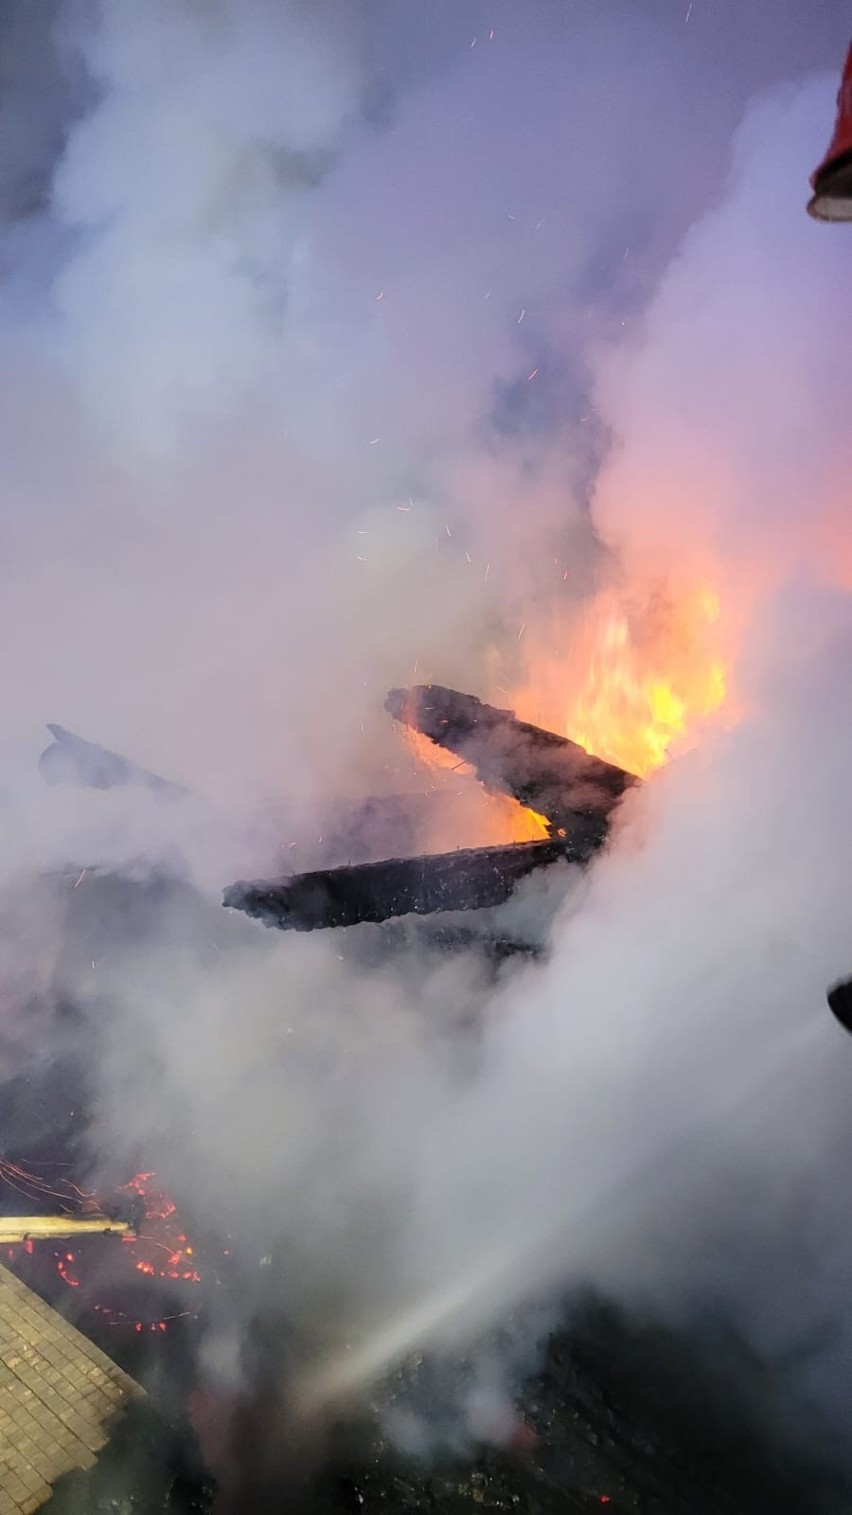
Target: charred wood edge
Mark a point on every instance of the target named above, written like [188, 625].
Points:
[473, 879]
[70, 759]
[549, 774]
[557, 778]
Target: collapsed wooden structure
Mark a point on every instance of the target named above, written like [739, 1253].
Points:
[627, 1416]
[573, 791]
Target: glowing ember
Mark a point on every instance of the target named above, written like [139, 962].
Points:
[159, 1250]
[64, 1269]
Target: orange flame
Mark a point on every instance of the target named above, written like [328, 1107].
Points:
[503, 819]
[636, 687]
[430, 754]
[641, 700]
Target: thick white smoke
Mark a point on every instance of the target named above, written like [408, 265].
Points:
[307, 397]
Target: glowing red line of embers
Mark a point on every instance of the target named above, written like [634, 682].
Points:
[148, 1248]
[163, 1237]
[159, 1208]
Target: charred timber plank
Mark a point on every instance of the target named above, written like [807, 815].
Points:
[548, 773]
[472, 879]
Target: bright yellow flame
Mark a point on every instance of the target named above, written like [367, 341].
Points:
[630, 688]
[644, 690]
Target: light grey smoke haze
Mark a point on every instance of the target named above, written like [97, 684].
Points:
[269, 446]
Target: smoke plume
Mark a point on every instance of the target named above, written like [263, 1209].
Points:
[341, 351]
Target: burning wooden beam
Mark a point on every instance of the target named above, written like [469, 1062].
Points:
[573, 789]
[474, 879]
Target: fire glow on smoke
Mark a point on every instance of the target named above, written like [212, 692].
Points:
[505, 819]
[634, 686]
[642, 700]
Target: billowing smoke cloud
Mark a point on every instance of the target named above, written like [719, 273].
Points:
[345, 353]
[184, 188]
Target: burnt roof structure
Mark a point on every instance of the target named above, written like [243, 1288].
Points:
[637, 1419]
[550, 774]
[573, 791]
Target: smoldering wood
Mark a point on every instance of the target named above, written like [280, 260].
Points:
[469, 879]
[571, 788]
